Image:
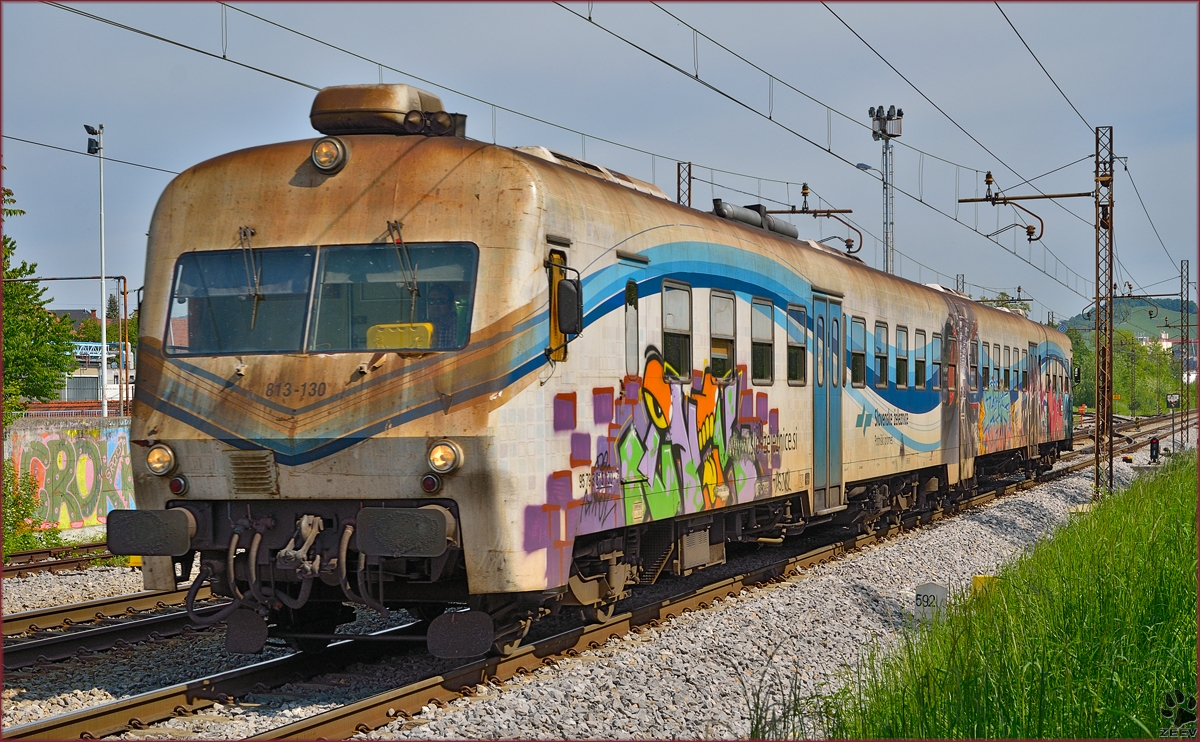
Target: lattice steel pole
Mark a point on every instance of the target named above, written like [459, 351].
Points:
[1104, 310]
[684, 183]
[1185, 326]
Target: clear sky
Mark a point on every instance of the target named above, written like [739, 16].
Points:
[1126, 65]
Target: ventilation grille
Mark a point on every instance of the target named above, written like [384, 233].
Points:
[253, 473]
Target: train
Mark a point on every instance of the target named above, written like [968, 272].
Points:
[394, 367]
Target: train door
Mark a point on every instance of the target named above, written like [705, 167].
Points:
[827, 403]
[1036, 398]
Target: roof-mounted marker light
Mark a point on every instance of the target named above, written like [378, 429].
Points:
[414, 122]
[440, 123]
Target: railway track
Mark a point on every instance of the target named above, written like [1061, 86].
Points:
[375, 711]
[55, 559]
[96, 636]
[94, 610]
[378, 710]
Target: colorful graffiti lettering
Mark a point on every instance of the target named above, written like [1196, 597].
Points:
[81, 473]
[997, 413]
[668, 448]
[692, 447]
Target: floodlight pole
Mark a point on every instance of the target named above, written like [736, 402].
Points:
[887, 125]
[96, 147]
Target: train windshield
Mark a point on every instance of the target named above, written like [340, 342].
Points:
[394, 297]
[239, 301]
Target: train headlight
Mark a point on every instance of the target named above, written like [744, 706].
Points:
[329, 154]
[160, 459]
[445, 457]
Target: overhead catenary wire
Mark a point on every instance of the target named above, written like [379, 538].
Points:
[939, 109]
[837, 156]
[772, 79]
[1174, 263]
[1091, 129]
[430, 82]
[85, 154]
[494, 106]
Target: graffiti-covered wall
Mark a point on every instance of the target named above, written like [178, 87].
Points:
[80, 464]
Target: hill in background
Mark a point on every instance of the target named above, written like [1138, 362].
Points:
[1133, 316]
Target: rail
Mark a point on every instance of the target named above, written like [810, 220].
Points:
[371, 713]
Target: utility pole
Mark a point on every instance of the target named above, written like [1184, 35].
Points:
[1185, 346]
[96, 147]
[886, 126]
[1104, 293]
[1103, 482]
[684, 184]
[960, 283]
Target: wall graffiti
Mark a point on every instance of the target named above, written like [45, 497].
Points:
[81, 467]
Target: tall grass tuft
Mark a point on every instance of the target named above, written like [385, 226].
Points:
[22, 530]
[1083, 636]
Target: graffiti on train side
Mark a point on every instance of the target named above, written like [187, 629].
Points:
[665, 447]
[685, 448]
[80, 473]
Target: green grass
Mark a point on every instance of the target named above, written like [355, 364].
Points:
[1081, 637]
[19, 512]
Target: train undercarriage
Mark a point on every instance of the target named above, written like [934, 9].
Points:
[295, 570]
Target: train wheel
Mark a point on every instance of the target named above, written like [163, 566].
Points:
[598, 613]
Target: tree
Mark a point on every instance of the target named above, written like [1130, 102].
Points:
[37, 343]
[1004, 300]
[113, 310]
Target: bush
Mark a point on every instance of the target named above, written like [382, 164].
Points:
[22, 530]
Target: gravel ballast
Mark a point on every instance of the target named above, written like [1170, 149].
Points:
[47, 590]
[682, 679]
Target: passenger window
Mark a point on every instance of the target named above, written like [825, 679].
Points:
[935, 352]
[633, 360]
[1007, 362]
[987, 362]
[762, 341]
[901, 358]
[996, 366]
[951, 360]
[974, 378]
[921, 351]
[677, 330]
[858, 352]
[819, 350]
[881, 355]
[835, 347]
[797, 351]
[722, 324]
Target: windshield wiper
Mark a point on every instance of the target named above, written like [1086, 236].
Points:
[407, 267]
[244, 235]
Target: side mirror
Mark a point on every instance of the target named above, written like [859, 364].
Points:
[570, 306]
[1077, 375]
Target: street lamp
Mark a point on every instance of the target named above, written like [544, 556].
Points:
[886, 125]
[96, 147]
